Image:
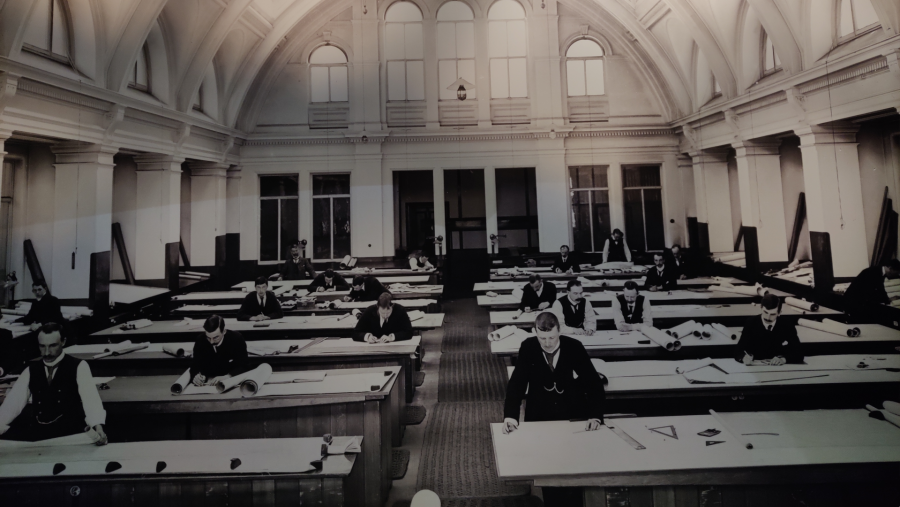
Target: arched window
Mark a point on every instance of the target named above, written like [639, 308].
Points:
[507, 50]
[140, 74]
[856, 17]
[403, 50]
[455, 47]
[770, 62]
[48, 30]
[584, 68]
[197, 101]
[328, 75]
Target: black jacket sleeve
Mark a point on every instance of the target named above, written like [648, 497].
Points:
[792, 352]
[249, 307]
[747, 336]
[273, 306]
[46, 310]
[318, 281]
[340, 283]
[401, 326]
[200, 357]
[529, 298]
[592, 382]
[367, 323]
[518, 385]
[238, 353]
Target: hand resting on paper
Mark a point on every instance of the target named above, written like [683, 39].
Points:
[35, 326]
[103, 440]
[370, 338]
[345, 299]
[199, 380]
[544, 306]
[593, 425]
[387, 338]
[259, 317]
[510, 425]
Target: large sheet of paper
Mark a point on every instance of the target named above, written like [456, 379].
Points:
[346, 346]
[614, 369]
[331, 384]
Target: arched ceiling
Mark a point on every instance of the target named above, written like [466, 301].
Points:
[248, 41]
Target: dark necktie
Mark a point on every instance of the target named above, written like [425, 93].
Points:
[549, 356]
[769, 327]
[50, 370]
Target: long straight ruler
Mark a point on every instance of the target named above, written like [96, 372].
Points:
[626, 437]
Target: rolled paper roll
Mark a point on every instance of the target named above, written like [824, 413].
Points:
[332, 305]
[852, 331]
[173, 351]
[736, 256]
[724, 331]
[892, 283]
[356, 312]
[892, 407]
[799, 303]
[118, 346]
[491, 294]
[684, 329]
[228, 383]
[503, 332]
[884, 415]
[707, 331]
[344, 316]
[255, 380]
[660, 338]
[762, 291]
[833, 327]
[183, 381]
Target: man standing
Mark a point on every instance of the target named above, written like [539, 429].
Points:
[44, 309]
[658, 277]
[218, 353]
[297, 267]
[616, 248]
[64, 398]
[574, 312]
[767, 339]
[537, 295]
[631, 310]
[261, 304]
[328, 281]
[384, 322]
[365, 288]
[555, 376]
[565, 263]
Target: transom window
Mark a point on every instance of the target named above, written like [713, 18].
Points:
[857, 16]
[584, 68]
[455, 47]
[507, 50]
[48, 30]
[140, 74]
[770, 61]
[403, 49]
[328, 75]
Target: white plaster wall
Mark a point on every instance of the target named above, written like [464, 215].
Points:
[124, 211]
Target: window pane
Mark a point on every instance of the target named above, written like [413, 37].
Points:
[328, 54]
[584, 48]
[499, 79]
[278, 186]
[322, 228]
[289, 225]
[585, 177]
[641, 176]
[339, 84]
[600, 176]
[634, 220]
[518, 79]
[846, 27]
[446, 77]
[341, 227]
[396, 80]
[600, 217]
[268, 230]
[466, 70]
[575, 77]
[38, 32]
[318, 84]
[594, 77]
[497, 38]
[414, 41]
[403, 11]
[446, 41]
[465, 40]
[581, 222]
[331, 184]
[653, 213]
[506, 9]
[864, 13]
[394, 41]
[516, 44]
[770, 56]
[141, 69]
[455, 10]
[415, 80]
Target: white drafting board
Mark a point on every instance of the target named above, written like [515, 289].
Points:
[293, 284]
[506, 286]
[331, 384]
[340, 346]
[211, 309]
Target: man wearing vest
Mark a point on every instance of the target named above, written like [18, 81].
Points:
[537, 295]
[64, 399]
[660, 278]
[616, 248]
[297, 267]
[631, 310]
[574, 312]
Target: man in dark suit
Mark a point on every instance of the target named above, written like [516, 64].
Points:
[44, 309]
[328, 281]
[767, 339]
[261, 304]
[659, 277]
[383, 322]
[297, 267]
[365, 288]
[555, 376]
[678, 262]
[867, 289]
[565, 263]
[218, 353]
[537, 294]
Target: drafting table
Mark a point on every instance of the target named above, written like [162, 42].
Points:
[508, 286]
[606, 298]
[294, 284]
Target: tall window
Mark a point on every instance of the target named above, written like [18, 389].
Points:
[506, 30]
[278, 216]
[331, 216]
[328, 75]
[48, 30]
[584, 68]
[856, 17]
[197, 100]
[770, 62]
[589, 190]
[403, 49]
[455, 47]
[643, 208]
[140, 74]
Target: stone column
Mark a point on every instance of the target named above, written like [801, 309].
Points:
[158, 218]
[713, 201]
[208, 213]
[762, 201]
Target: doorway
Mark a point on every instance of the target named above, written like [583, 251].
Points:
[413, 212]
[465, 210]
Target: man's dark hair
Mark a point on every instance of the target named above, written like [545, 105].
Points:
[329, 273]
[40, 283]
[894, 265]
[546, 321]
[617, 231]
[674, 246]
[54, 327]
[533, 278]
[385, 300]
[573, 283]
[358, 280]
[213, 323]
[566, 247]
[295, 244]
[262, 280]
[659, 254]
[771, 302]
[631, 285]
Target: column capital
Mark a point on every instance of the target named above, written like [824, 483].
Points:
[710, 156]
[84, 153]
[158, 162]
[205, 168]
[756, 147]
[834, 133]
[684, 160]
[234, 172]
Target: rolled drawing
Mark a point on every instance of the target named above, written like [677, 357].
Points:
[724, 330]
[503, 332]
[183, 381]
[852, 330]
[255, 379]
[804, 305]
[173, 350]
[833, 327]
[660, 338]
[228, 383]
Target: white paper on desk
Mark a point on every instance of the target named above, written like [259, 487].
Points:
[351, 446]
[185, 322]
[287, 377]
[258, 374]
[332, 384]
[192, 389]
[86, 438]
[712, 375]
[174, 350]
[618, 369]
[103, 380]
[416, 315]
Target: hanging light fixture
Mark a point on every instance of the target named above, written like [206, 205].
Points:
[461, 86]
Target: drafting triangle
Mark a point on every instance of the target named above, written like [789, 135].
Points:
[714, 442]
[668, 431]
